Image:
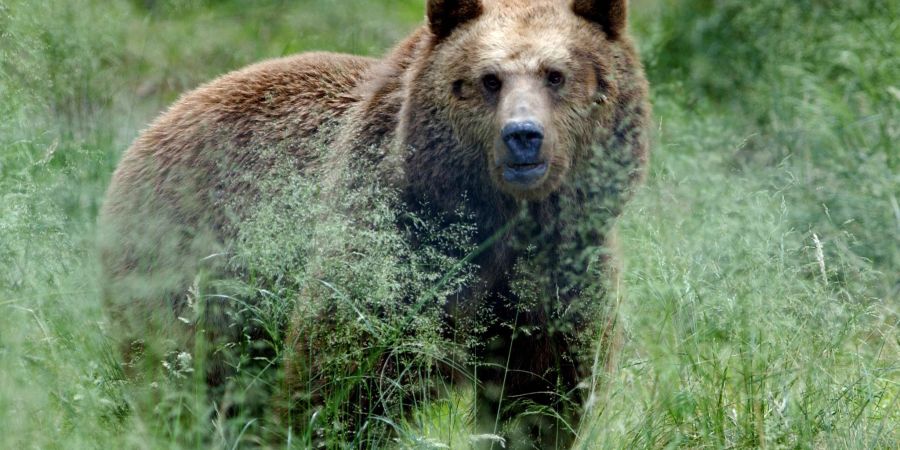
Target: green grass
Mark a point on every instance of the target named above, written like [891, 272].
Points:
[762, 256]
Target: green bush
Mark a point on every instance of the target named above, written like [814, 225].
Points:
[811, 85]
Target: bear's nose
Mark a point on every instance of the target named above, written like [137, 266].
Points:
[523, 139]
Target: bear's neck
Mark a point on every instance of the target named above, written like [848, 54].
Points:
[444, 177]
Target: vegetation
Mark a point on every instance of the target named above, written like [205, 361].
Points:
[762, 269]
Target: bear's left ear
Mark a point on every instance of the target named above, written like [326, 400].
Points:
[611, 15]
[445, 15]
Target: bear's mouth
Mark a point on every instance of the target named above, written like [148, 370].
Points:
[524, 174]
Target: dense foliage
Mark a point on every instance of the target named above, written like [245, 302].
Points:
[761, 271]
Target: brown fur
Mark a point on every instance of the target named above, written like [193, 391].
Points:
[421, 119]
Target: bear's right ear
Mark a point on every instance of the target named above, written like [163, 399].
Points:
[445, 15]
[611, 15]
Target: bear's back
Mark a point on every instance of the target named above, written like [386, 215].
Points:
[280, 102]
[176, 190]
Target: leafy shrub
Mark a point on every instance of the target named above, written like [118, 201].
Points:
[811, 87]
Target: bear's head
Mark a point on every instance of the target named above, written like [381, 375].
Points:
[525, 85]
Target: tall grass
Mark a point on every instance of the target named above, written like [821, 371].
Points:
[762, 259]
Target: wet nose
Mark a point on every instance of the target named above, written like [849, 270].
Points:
[523, 139]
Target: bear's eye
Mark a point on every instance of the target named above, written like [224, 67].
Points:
[457, 88]
[491, 82]
[555, 78]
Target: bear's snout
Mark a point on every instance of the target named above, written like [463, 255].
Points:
[524, 163]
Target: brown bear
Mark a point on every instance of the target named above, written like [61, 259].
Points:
[530, 116]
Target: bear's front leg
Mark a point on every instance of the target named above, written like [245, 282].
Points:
[541, 354]
[529, 385]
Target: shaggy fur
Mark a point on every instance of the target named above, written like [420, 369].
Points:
[423, 120]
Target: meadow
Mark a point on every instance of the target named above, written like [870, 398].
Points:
[761, 297]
